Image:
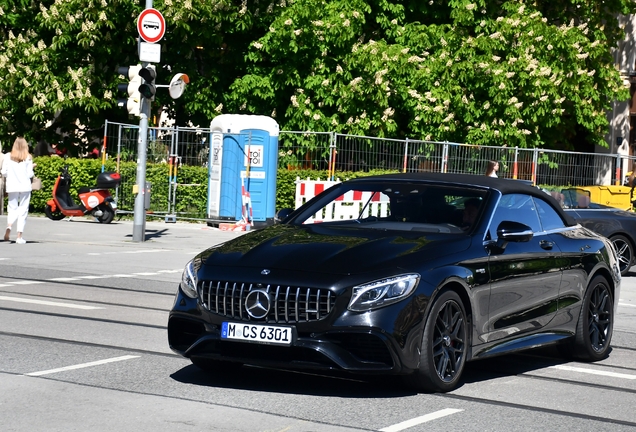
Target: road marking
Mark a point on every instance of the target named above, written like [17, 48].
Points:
[63, 279]
[626, 304]
[419, 420]
[26, 282]
[83, 365]
[48, 303]
[170, 271]
[122, 275]
[146, 274]
[594, 372]
[4, 285]
[93, 277]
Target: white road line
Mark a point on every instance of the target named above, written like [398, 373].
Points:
[26, 282]
[121, 275]
[594, 372]
[63, 279]
[626, 304]
[4, 285]
[48, 303]
[81, 366]
[93, 277]
[146, 274]
[144, 251]
[170, 271]
[419, 420]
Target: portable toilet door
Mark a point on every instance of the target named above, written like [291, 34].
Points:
[244, 161]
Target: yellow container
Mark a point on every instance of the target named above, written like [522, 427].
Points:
[612, 196]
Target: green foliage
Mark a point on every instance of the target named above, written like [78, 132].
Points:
[497, 73]
[191, 199]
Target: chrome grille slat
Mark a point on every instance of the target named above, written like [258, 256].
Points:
[287, 304]
[276, 303]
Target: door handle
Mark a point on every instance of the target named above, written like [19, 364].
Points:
[545, 244]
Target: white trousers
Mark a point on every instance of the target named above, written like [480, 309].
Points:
[18, 209]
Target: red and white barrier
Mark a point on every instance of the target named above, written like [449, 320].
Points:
[352, 205]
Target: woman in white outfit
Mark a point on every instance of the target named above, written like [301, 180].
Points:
[17, 168]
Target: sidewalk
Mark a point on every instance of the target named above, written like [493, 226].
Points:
[85, 230]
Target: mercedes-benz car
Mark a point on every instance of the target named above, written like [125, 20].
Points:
[411, 275]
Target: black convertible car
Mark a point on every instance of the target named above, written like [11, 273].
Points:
[617, 225]
[385, 275]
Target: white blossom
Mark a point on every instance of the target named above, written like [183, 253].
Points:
[219, 108]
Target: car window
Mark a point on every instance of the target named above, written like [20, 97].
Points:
[517, 208]
[548, 217]
[398, 206]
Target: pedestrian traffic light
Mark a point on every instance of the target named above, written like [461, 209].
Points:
[147, 88]
[133, 103]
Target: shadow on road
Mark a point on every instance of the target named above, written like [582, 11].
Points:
[359, 386]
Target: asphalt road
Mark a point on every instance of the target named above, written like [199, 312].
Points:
[83, 312]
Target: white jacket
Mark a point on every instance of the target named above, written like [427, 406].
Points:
[18, 174]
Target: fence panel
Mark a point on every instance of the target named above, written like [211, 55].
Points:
[182, 154]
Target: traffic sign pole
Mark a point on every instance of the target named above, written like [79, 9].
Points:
[139, 220]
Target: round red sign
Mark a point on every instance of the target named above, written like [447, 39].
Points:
[151, 25]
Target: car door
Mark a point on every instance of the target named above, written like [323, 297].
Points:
[525, 277]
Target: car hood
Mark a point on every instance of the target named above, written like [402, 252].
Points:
[342, 250]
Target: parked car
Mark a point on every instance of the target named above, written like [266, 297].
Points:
[383, 275]
[616, 224]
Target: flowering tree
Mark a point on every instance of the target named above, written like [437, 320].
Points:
[504, 73]
[482, 72]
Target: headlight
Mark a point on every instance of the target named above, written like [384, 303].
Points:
[189, 280]
[382, 292]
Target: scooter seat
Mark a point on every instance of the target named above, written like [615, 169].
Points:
[84, 189]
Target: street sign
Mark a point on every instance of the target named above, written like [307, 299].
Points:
[151, 25]
[149, 52]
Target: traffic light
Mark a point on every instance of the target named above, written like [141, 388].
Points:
[133, 103]
[148, 89]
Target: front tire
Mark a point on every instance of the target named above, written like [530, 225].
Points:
[444, 346]
[625, 252]
[108, 214]
[596, 322]
[53, 215]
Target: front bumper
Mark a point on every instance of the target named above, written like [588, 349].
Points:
[361, 343]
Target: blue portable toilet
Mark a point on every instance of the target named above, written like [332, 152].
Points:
[243, 154]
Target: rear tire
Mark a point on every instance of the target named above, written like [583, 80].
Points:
[596, 322]
[625, 252]
[108, 214]
[53, 215]
[444, 346]
[215, 366]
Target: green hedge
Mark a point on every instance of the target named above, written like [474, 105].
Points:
[191, 196]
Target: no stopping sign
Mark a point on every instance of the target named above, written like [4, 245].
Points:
[151, 25]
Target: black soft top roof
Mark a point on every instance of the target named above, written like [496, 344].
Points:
[505, 186]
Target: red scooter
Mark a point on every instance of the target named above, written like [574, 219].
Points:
[96, 201]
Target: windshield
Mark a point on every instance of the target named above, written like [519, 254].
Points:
[405, 206]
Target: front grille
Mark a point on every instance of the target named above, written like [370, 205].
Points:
[287, 304]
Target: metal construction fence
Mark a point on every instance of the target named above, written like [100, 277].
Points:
[183, 156]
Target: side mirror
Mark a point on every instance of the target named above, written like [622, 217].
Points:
[517, 232]
[282, 214]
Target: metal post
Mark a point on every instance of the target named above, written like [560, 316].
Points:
[139, 222]
[406, 155]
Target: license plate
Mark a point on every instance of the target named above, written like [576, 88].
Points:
[257, 333]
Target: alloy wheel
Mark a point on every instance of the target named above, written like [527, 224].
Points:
[599, 317]
[448, 342]
[625, 253]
